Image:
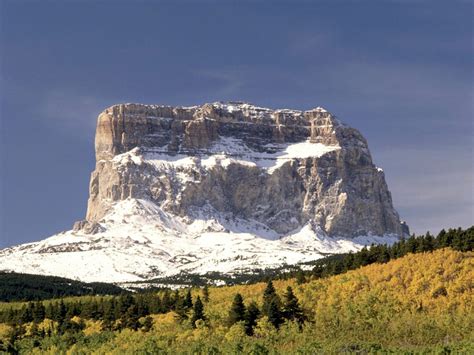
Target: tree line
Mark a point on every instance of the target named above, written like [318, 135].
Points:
[115, 312]
[27, 287]
[458, 239]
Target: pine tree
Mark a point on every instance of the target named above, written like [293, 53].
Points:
[251, 317]
[349, 261]
[38, 312]
[60, 313]
[142, 306]
[269, 295]
[155, 305]
[71, 310]
[188, 300]
[26, 313]
[361, 258]
[49, 311]
[198, 311]
[123, 304]
[180, 309]
[442, 240]
[237, 310]
[130, 320]
[411, 245]
[88, 310]
[384, 255]
[291, 308]
[274, 314]
[108, 318]
[167, 302]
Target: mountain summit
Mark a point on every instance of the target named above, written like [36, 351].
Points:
[226, 187]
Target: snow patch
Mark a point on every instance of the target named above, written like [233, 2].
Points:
[227, 151]
[140, 241]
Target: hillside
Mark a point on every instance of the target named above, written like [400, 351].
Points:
[419, 302]
[27, 287]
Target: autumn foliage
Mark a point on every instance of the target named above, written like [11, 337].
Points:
[420, 302]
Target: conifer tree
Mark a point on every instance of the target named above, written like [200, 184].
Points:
[411, 245]
[269, 295]
[349, 261]
[108, 318]
[88, 310]
[198, 311]
[291, 308]
[142, 306]
[157, 305]
[26, 313]
[274, 314]
[130, 320]
[188, 300]
[49, 311]
[362, 257]
[167, 302]
[442, 239]
[180, 309]
[237, 310]
[251, 316]
[38, 312]
[384, 255]
[123, 304]
[176, 300]
[60, 313]
[72, 310]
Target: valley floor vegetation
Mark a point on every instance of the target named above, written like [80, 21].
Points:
[415, 296]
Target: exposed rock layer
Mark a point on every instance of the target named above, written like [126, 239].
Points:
[340, 191]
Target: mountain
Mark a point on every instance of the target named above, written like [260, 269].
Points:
[227, 187]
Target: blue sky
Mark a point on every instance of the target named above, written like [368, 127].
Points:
[401, 72]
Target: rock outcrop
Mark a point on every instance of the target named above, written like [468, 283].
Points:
[282, 168]
[220, 188]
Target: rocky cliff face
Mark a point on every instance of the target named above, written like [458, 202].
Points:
[281, 168]
[226, 188]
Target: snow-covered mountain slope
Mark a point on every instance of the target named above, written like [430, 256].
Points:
[226, 187]
[139, 241]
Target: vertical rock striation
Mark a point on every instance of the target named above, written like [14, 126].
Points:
[282, 168]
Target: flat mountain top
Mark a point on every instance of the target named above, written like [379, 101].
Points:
[228, 187]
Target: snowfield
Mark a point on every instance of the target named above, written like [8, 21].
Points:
[140, 241]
